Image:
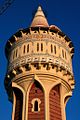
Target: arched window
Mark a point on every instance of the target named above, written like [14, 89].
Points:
[41, 46]
[37, 46]
[36, 105]
[16, 52]
[24, 49]
[63, 53]
[13, 55]
[65, 56]
[27, 48]
[55, 49]
[51, 48]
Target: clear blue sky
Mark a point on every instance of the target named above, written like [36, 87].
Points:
[63, 13]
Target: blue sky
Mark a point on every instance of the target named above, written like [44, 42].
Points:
[63, 13]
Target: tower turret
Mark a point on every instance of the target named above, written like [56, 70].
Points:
[39, 79]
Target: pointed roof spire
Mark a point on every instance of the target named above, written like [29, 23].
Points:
[39, 19]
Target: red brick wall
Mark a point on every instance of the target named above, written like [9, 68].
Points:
[55, 108]
[36, 92]
[19, 104]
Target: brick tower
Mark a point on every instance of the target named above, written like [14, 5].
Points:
[39, 79]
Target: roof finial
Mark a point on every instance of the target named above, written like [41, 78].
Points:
[39, 19]
[39, 8]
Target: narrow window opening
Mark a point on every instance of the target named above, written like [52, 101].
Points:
[51, 48]
[55, 49]
[13, 55]
[24, 49]
[16, 52]
[37, 46]
[63, 53]
[36, 105]
[27, 48]
[41, 46]
[65, 56]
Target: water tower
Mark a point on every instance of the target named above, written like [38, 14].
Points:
[39, 79]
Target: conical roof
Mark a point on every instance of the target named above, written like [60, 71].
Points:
[39, 19]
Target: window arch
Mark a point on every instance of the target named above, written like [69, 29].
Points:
[55, 49]
[27, 48]
[36, 101]
[37, 46]
[16, 52]
[41, 46]
[51, 48]
[24, 49]
[36, 105]
[65, 56]
[13, 54]
[63, 53]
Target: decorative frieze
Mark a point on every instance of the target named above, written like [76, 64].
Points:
[40, 59]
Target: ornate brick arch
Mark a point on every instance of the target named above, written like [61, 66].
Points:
[36, 93]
